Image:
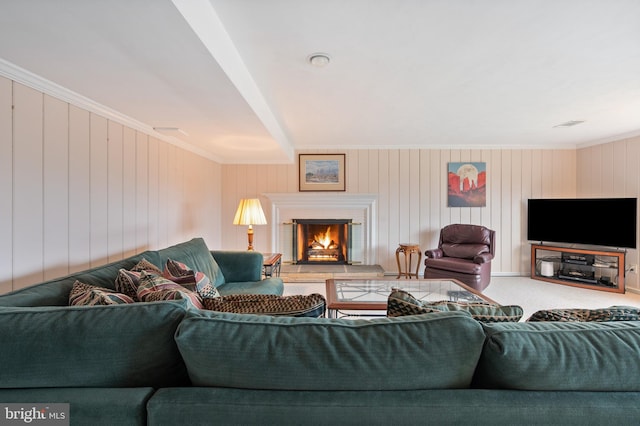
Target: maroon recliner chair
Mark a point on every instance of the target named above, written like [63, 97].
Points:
[464, 253]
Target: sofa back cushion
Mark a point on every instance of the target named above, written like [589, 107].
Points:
[430, 351]
[561, 356]
[91, 346]
[196, 255]
[56, 292]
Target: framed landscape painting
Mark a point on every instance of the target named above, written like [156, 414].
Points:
[321, 172]
[467, 184]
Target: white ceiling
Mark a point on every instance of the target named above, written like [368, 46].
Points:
[233, 74]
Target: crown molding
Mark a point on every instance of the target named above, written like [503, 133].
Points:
[27, 78]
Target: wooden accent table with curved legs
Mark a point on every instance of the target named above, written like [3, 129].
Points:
[408, 249]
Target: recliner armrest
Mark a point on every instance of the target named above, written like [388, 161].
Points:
[483, 258]
[434, 253]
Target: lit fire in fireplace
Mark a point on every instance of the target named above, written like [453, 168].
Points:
[321, 240]
[323, 248]
[324, 241]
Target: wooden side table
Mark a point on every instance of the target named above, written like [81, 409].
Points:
[271, 264]
[408, 249]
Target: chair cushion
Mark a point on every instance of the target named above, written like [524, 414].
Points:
[465, 251]
[454, 264]
[401, 302]
[466, 234]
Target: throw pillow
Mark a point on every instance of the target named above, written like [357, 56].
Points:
[90, 295]
[312, 305]
[127, 282]
[401, 302]
[154, 288]
[613, 313]
[193, 280]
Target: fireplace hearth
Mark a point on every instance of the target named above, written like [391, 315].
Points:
[317, 241]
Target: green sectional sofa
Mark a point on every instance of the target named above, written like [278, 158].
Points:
[166, 363]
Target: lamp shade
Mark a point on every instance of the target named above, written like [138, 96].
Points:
[249, 213]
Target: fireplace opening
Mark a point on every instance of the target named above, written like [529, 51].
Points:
[321, 241]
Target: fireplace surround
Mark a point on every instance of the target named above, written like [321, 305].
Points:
[322, 241]
[361, 209]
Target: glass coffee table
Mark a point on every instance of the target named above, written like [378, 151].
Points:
[359, 295]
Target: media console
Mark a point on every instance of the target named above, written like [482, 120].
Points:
[594, 269]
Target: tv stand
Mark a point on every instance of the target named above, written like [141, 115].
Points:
[593, 269]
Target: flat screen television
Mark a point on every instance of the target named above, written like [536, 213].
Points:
[609, 222]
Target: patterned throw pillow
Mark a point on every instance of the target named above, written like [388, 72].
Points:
[312, 305]
[401, 303]
[154, 288]
[88, 295]
[613, 313]
[196, 281]
[127, 282]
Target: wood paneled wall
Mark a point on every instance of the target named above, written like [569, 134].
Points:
[412, 188]
[612, 170]
[79, 190]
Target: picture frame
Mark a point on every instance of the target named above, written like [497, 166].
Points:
[467, 184]
[321, 172]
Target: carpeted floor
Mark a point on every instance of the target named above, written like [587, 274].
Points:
[531, 295]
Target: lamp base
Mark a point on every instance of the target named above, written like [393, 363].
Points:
[250, 238]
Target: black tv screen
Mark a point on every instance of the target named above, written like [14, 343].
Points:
[609, 222]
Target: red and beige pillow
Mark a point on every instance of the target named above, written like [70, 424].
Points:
[90, 295]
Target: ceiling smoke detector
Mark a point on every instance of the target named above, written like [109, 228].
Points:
[319, 60]
[569, 123]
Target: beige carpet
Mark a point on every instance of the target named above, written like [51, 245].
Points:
[532, 295]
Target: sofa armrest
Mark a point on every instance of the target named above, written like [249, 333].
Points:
[482, 258]
[239, 266]
[434, 253]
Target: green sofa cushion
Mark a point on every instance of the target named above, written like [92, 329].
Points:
[88, 406]
[431, 351]
[576, 356]
[56, 292]
[91, 346]
[196, 255]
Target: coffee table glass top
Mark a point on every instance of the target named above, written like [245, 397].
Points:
[372, 294]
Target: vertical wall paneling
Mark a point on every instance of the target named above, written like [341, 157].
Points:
[142, 191]
[384, 201]
[99, 185]
[115, 245]
[611, 170]
[411, 186]
[6, 185]
[79, 189]
[28, 185]
[56, 187]
[129, 163]
[153, 229]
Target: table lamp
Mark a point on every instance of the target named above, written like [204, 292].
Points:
[249, 213]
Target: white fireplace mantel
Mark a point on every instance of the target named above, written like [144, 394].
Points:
[362, 208]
